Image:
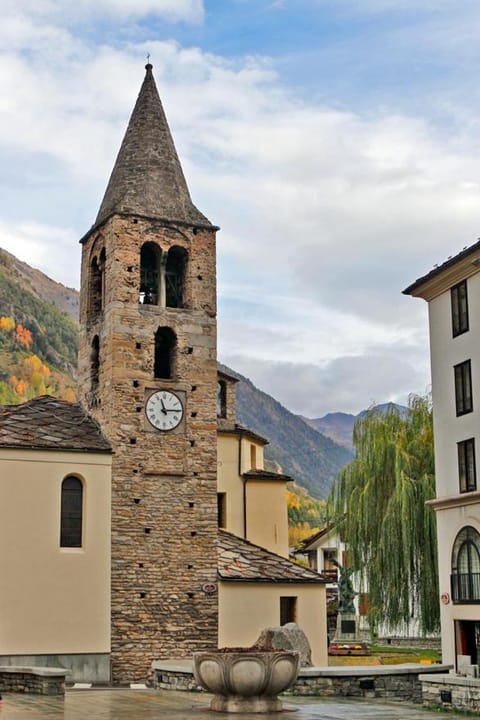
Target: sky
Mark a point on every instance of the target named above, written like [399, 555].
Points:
[335, 142]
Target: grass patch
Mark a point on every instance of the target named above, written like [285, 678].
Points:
[387, 655]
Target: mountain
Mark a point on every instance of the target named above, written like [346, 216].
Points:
[338, 426]
[312, 459]
[66, 299]
[38, 348]
[38, 333]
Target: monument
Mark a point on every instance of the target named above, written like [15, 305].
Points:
[346, 640]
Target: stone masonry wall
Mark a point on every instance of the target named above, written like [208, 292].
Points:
[26, 681]
[452, 692]
[164, 503]
[322, 682]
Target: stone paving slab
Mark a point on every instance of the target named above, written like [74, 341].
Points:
[169, 705]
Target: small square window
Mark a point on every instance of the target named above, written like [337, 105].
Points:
[466, 465]
[459, 299]
[463, 388]
[222, 510]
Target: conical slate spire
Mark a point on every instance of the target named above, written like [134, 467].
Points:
[147, 178]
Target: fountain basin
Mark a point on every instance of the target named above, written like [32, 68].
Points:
[246, 680]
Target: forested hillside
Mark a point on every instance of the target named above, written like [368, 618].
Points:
[38, 342]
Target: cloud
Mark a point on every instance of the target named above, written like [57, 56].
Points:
[68, 13]
[344, 384]
[44, 247]
[327, 211]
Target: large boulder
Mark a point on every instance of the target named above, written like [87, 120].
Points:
[286, 637]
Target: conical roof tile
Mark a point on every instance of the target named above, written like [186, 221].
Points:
[147, 178]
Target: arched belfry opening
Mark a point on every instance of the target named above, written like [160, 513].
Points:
[150, 274]
[96, 283]
[95, 363]
[175, 271]
[165, 345]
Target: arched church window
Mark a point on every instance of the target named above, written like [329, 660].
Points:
[221, 399]
[175, 271]
[95, 363]
[71, 512]
[150, 260]
[165, 343]
[465, 576]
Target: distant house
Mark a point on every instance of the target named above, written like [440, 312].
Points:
[322, 550]
[452, 292]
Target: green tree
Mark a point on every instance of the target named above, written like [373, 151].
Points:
[378, 506]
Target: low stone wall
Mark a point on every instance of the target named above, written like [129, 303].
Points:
[37, 680]
[169, 675]
[451, 691]
[395, 682]
[434, 643]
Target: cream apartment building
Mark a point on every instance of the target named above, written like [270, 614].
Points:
[452, 292]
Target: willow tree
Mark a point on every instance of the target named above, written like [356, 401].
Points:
[378, 506]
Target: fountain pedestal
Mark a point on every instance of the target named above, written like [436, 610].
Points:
[246, 681]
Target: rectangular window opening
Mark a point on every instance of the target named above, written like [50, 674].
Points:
[222, 510]
[253, 457]
[463, 388]
[467, 474]
[459, 301]
[288, 610]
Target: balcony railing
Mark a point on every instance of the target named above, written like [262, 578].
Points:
[465, 587]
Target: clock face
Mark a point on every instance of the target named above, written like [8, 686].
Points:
[164, 410]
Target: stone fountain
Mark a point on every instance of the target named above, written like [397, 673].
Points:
[246, 680]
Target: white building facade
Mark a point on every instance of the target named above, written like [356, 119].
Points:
[452, 292]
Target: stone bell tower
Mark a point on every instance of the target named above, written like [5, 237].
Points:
[147, 373]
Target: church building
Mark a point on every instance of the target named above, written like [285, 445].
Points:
[110, 508]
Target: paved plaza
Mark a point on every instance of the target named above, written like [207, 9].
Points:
[168, 705]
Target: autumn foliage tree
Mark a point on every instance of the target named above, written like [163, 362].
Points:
[30, 376]
[306, 515]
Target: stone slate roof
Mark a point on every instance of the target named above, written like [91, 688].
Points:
[266, 475]
[241, 560]
[147, 178]
[49, 423]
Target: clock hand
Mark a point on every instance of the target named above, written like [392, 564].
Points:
[164, 409]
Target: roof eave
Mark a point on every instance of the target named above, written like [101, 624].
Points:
[56, 448]
[275, 581]
[459, 267]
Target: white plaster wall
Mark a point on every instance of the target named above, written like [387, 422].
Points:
[245, 609]
[449, 523]
[230, 482]
[445, 352]
[53, 600]
[267, 515]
